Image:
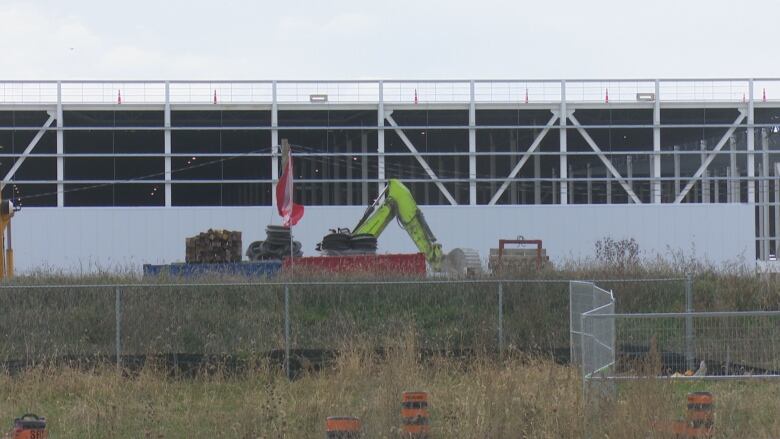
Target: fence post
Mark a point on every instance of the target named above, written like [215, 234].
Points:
[118, 316]
[500, 318]
[689, 360]
[287, 331]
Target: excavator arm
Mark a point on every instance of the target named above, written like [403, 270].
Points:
[399, 203]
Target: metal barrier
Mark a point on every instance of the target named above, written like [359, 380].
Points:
[288, 320]
[285, 319]
[725, 345]
[591, 344]
[612, 347]
[389, 91]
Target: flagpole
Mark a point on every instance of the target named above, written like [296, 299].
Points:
[287, 155]
[292, 251]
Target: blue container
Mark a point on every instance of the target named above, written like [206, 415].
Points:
[247, 269]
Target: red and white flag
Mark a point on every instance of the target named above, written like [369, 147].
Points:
[290, 212]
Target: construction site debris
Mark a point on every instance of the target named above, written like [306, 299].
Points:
[276, 245]
[214, 246]
[517, 259]
[341, 242]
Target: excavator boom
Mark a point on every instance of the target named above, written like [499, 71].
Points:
[399, 203]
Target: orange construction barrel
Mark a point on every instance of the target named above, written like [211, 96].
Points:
[415, 420]
[701, 416]
[342, 427]
[30, 426]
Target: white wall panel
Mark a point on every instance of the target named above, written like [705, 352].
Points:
[87, 239]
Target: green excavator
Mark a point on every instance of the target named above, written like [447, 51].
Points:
[396, 201]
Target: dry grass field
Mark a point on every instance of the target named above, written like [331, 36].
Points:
[520, 394]
[517, 397]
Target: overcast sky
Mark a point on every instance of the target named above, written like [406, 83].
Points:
[313, 39]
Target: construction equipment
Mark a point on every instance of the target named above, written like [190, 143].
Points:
[396, 201]
[30, 426]
[7, 210]
[502, 258]
[275, 247]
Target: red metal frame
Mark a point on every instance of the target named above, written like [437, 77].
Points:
[504, 242]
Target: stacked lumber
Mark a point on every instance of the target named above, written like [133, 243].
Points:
[214, 247]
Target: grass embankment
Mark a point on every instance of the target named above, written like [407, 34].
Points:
[516, 397]
[244, 320]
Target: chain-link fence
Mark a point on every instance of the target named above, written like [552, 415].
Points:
[713, 345]
[294, 323]
[673, 347]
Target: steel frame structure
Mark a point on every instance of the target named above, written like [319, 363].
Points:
[562, 98]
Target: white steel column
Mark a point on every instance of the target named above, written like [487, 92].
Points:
[676, 157]
[763, 243]
[380, 144]
[563, 166]
[570, 189]
[630, 173]
[729, 192]
[472, 147]
[60, 150]
[735, 183]
[751, 146]
[364, 169]
[657, 144]
[716, 186]
[274, 142]
[705, 182]
[537, 183]
[167, 144]
[589, 183]
[777, 208]
[348, 170]
[764, 187]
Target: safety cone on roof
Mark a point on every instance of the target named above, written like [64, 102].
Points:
[415, 95]
[743, 98]
[119, 96]
[215, 96]
[606, 96]
[764, 97]
[526, 95]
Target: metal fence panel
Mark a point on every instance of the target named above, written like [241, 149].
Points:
[583, 298]
[723, 345]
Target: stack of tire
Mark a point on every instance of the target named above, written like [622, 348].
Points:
[276, 245]
[340, 242]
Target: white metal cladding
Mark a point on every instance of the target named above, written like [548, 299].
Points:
[88, 239]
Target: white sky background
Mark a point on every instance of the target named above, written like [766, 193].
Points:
[400, 39]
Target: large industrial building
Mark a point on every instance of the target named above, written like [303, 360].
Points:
[114, 174]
